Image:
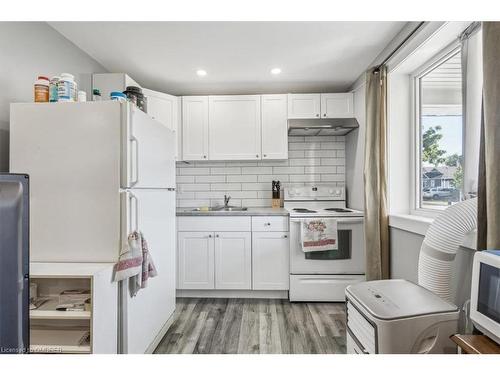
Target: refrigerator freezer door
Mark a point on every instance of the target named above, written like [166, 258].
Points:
[14, 264]
[72, 153]
[149, 150]
[142, 318]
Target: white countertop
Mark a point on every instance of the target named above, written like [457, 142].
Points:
[252, 211]
[67, 269]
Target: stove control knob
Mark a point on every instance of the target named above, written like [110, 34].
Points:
[337, 192]
[330, 191]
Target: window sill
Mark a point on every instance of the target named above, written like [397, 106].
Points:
[410, 223]
[420, 224]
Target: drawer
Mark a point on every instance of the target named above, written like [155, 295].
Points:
[321, 288]
[269, 223]
[361, 329]
[214, 224]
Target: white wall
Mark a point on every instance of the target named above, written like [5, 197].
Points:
[473, 111]
[319, 160]
[30, 49]
[399, 143]
[405, 249]
[355, 153]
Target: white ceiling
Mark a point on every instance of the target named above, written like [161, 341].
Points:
[238, 56]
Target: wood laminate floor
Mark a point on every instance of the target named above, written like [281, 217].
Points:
[253, 326]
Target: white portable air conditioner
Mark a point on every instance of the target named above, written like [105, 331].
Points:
[397, 316]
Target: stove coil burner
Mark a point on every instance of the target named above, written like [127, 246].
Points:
[337, 209]
[304, 210]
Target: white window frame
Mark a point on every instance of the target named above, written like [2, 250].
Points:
[415, 185]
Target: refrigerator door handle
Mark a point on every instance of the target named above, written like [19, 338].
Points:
[135, 164]
[132, 197]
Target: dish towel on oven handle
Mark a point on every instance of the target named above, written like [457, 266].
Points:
[135, 263]
[318, 235]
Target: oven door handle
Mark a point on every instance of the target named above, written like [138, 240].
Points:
[350, 220]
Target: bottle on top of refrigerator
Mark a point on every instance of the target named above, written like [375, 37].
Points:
[82, 96]
[66, 88]
[53, 95]
[42, 89]
[75, 91]
[96, 95]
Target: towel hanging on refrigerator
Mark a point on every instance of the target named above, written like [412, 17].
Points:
[135, 263]
[319, 235]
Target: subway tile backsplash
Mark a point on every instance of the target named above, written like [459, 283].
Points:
[310, 159]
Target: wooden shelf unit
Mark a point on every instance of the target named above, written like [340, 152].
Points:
[48, 311]
[58, 340]
[53, 331]
[476, 344]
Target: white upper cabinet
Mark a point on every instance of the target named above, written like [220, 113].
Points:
[162, 107]
[304, 106]
[195, 128]
[311, 106]
[234, 127]
[274, 127]
[337, 105]
[165, 109]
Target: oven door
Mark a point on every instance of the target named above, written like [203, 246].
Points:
[348, 259]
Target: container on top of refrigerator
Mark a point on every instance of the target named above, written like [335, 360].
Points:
[82, 96]
[96, 95]
[66, 88]
[53, 94]
[135, 95]
[42, 89]
[119, 96]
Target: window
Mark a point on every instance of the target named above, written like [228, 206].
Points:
[439, 133]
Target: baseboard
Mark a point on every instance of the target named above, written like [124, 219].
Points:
[156, 341]
[271, 294]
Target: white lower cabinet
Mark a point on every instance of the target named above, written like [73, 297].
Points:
[233, 260]
[270, 260]
[233, 253]
[195, 260]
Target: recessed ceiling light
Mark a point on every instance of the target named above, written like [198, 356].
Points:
[276, 71]
[201, 72]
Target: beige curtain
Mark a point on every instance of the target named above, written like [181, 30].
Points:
[489, 168]
[375, 176]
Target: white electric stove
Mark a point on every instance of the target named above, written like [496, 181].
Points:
[324, 275]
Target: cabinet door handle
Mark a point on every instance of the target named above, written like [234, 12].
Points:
[265, 155]
[317, 114]
[285, 236]
[256, 156]
[268, 224]
[204, 156]
[216, 236]
[209, 236]
[324, 114]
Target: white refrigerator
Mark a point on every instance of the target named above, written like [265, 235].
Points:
[99, 170]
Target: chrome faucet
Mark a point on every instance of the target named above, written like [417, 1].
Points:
[226, 200]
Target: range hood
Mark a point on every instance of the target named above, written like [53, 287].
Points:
[323, 126]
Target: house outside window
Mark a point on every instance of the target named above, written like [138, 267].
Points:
[439, 133]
